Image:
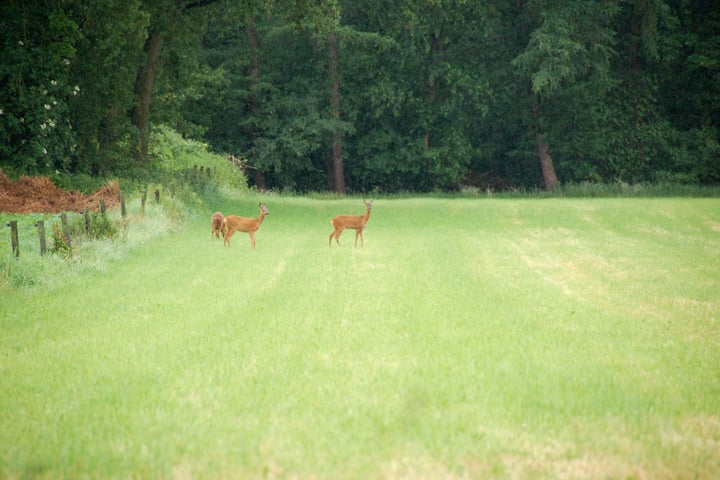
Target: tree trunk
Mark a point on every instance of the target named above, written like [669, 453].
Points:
[546, 164]
[336, 175]
[550, 179]
[143, 94]
[252, 37]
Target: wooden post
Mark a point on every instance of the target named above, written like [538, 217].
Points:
[14, 237]
[41, 233]
[86, 214]
[123, 210]
[102, 205]
[66, 229]
[142, 202]
[157, 196]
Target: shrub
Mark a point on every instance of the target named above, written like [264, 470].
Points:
[191, 160]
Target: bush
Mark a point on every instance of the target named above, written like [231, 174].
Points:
[192, 161]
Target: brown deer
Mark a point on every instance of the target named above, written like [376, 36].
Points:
[217, 225]
[356, 222]
[233, 224]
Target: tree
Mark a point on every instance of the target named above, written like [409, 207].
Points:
[691, 66]
[419, 101]
[343, 95]
[668, 74]
[104, 77]
[171, 22]
[336, 175]
[569, 50]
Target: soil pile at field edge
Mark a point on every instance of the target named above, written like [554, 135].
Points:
[40, 195]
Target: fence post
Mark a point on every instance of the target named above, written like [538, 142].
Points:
[66, 229]
[86, 214]
[123, 210]
[102, 205]
[142, 202]
[41, 233]
[14, 237]
[157, 196]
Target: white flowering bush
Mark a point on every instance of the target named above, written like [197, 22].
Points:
[36, 133]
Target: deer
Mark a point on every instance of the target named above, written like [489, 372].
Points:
[233, 223]
[356, 222]
[217, 225]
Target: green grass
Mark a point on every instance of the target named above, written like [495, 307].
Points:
[470, 338]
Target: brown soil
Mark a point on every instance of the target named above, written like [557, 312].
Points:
[40, 195]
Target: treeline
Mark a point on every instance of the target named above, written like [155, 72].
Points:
[356, 95]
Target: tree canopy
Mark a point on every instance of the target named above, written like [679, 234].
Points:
[413, 95]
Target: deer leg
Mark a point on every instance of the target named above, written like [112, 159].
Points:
[337, 234]
[252, 239]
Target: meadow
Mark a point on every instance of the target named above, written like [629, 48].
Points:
[469, 338]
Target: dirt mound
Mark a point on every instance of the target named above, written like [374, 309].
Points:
[40, 195]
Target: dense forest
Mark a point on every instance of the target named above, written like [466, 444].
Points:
[361, 95]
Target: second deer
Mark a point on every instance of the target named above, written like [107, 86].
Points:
[356, 222]
[233, 224]
[217, 225]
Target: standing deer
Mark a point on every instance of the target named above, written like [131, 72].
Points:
[356, 222]
[233, 224]
[217, 225]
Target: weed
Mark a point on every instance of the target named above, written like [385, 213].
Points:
[60, 242]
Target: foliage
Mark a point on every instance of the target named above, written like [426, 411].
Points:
[189, 158]
[573, 41]
[279, 131]
[37, 86]
[434, 95]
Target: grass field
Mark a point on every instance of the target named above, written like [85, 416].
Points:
[470, 338]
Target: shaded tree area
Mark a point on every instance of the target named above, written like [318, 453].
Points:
[369, 95]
